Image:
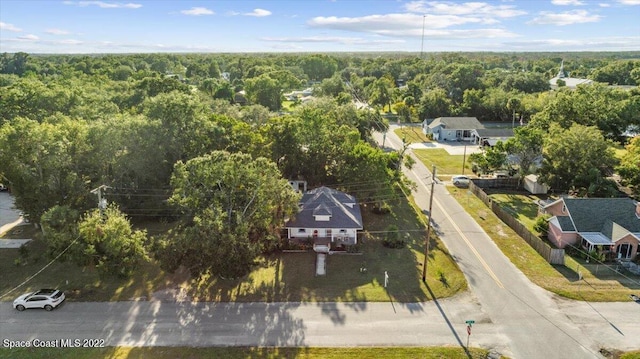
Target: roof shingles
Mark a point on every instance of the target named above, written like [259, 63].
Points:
[342, 208]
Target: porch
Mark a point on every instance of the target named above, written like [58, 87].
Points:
[325, 244]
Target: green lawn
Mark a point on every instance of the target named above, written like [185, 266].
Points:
[278, 277]
[522, 206]
[411, 134]
[246, 353]
[446, 165]
[563, 280]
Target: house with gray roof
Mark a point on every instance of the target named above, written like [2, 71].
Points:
[328, 217]
[467, 129]
[609, 225]
[451, 128]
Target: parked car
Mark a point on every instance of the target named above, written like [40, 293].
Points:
[3, 188]
[460, 180]
[47, 299]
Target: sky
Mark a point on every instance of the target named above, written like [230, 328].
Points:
[135, 26]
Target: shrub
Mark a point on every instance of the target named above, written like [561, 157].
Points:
[542, 225]
[392, 238]
[382, 208]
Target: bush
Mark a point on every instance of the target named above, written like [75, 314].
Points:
[392, 238]
[382, 208]
[542, 225]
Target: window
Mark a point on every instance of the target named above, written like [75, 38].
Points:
[302, 230]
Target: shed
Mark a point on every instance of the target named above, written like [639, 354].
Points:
[531, 184]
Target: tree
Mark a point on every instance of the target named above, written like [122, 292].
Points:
[491, 159]
[571, 155]
[629, 167]
[363, 163]
[514, 105]
[319, 67]
[43, 163]
[265, 91]
[526, 147]
[103, 239]
[236, 206]
[435, 103]
[380, 92]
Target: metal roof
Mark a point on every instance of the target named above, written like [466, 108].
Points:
[596, 238]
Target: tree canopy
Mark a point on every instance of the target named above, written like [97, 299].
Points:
[237, 205]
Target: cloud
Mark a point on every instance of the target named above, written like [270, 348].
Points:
[258, 13]
[594, 44]
[460, 9]
[567, 2]
[629, 2]
[604, 5]
[29, 37]
[9, 27]
[565, 18]
[331, 39]
[399, 25]
[104, 5]
[57, 32]
[197, 11]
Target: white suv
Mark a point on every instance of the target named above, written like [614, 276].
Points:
[44, 298]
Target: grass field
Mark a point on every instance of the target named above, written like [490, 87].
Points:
[411, 134]
[246, 353]
[598, 284]
[278, 277]
[446, 165]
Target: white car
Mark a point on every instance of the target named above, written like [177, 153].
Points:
[44, 298]
[460, 180]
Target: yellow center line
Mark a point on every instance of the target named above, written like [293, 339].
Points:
[464, 237]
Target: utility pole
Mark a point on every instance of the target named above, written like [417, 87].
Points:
[464, 158]
[102, 202]
[426, 245]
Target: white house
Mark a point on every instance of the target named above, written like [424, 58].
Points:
[328, 217]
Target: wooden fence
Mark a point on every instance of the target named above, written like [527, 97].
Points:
[551, 255]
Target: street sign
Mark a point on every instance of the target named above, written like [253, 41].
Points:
[468, 329]
[470, 322]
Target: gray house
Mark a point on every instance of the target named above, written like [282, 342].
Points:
[451, 128]
[328, 217]
[467, 129]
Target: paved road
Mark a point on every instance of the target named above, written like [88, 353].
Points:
[535, 323]
[8, 214]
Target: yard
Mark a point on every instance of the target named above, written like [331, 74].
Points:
[278, 277]
[599, 282]
[411, 134]
[446, 165]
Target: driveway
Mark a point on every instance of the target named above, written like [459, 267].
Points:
[9, 218]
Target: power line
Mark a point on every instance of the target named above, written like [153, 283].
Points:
[40, 271]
